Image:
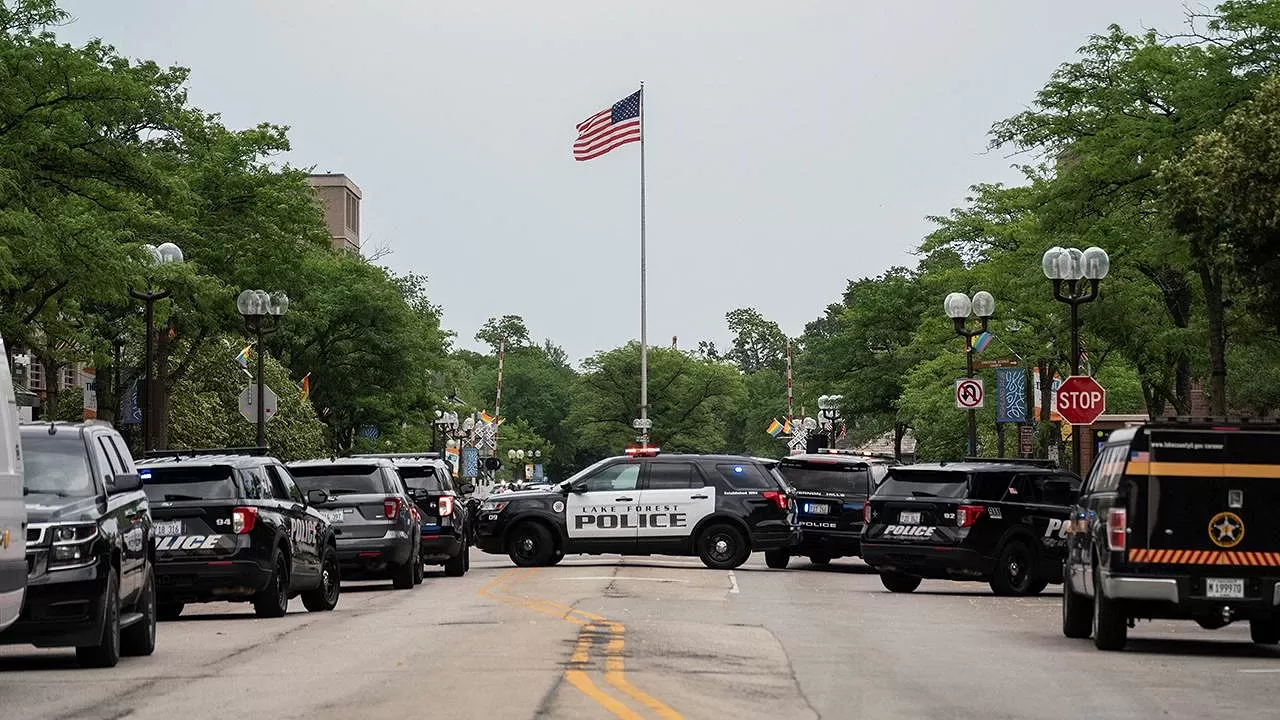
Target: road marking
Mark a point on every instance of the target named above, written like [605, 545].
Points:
[623, 577]
[733, 583]
[1260, 670]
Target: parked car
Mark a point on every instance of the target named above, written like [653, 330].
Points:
[1178, 522]
[373, 516]
[13, 513]
[232, 525]
[91, 580]
[987, 520]
[446, 519]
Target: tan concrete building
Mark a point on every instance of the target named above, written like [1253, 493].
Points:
[340, 198]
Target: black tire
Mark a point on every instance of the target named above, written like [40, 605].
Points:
[555, 559]
[456, 566]
[139, 639]
[531, 545]
[1264, 632]
[169, 610]
[899, 583]
[419, 572]
[402, 576]
[722, 547]
[324, 597]
[273, 601]
[777, 559]
[1015, 571]
[820, 559]
[1077, 614]
[106, 653]
[1110, 626]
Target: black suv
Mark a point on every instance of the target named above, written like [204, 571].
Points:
[376, 522]
[446, 517]
[231, 525]
[830, 489]
[718, 507]
[91, 578]
[1003, 522]
[1178, 521]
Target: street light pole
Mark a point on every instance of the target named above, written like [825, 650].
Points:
[165, 254]
[1066, 267]
[261, 311]
[959, 307]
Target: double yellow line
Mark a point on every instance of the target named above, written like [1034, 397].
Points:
[595, 629]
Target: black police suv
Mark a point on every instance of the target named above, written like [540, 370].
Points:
[91, 580]
[446, 517]
[718, 507]
[232, 525]
[1178, 521]
[1003, 522]
[830, 490]
[377, 524]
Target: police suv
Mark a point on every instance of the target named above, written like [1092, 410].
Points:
[831, 488]
[1003, 522]
[720, 508]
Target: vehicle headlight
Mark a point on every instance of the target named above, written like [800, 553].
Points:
[72, 545]
[493, 506]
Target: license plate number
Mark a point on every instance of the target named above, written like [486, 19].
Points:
[1224, 588]
[168, 528]
[817, 509]
[909, 518]
[335, 516]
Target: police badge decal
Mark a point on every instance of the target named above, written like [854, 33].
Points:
[558, 506]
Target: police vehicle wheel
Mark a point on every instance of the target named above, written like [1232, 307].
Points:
[722, 547]
[1264, 632]
[1077, 614]
[556, 558]
[273, 601]
[139, 639]
[402, 576]
[169, 611]
[456, 566]
[325, 596]
[819, 559]
[899, 583]
[1109, 629]
[419, 572]
[107, 652]
[1014, 572]
[531, 545]
[777, 559]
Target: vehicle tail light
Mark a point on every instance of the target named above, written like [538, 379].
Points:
[778, 497]
[967, 515]
[866, 513]
[1116, 521]
[446, 506]
[243, 519]
[391, 508]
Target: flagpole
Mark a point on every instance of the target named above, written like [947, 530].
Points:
[644, 316]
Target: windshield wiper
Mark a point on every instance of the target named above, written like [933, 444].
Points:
[182, 497]
[343, 491]
[918, 493]
[38, 491]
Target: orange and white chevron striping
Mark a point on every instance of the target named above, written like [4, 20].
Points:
[1204, 557]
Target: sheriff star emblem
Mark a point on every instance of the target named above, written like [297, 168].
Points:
[1226, 529]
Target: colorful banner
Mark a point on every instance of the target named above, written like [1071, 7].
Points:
[1011, 395]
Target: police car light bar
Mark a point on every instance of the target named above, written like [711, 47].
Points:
[643, 452]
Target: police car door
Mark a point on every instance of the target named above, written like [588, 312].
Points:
[675, 497]
[302, 527]
[601, 513]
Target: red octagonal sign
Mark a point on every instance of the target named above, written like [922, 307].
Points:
[1081, 400]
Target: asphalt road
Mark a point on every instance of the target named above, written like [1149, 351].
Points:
[653, 638]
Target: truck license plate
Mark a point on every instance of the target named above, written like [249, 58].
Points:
[1231, 588]
[909, 518]
[817, 509]
[168, 528]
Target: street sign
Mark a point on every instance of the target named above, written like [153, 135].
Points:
[249, 403]
[1081, 400]
[642, 423]
[969, 393]
[991, 364]
[1026, 440]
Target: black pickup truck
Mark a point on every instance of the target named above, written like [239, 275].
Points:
[231, 525]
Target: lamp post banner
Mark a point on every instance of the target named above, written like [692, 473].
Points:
[1011, 395]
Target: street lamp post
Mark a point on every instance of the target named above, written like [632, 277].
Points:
[1066, 267]
[262, 311]
[959, 307]
[165, 254]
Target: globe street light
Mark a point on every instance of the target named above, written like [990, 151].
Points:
[959, 307]
[1066, 267]
[262, 311]
[445, 424]
[166, 254]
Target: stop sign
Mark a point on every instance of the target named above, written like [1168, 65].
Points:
[1081, 400]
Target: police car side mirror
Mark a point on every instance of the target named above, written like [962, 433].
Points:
[579, 486]
[317, 497]
[467, 489]
[124, 483]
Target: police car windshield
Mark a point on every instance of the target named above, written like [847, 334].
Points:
[903, 482]
[56, 465]
[420, 477]
[831, 477]
[173, 484]
[584, 472]
[342, 479]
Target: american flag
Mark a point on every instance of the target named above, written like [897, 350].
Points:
[610, 128]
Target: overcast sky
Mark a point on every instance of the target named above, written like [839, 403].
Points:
[791, 146]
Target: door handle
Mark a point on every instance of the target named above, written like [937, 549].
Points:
[697, 497]
[623, 499]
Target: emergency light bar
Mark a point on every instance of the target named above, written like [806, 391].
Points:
[643, 452]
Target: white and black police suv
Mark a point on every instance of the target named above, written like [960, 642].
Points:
[718, 507]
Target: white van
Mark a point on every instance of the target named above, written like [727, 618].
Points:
[13, 512]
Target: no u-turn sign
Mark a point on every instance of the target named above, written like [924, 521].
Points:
[969, 393]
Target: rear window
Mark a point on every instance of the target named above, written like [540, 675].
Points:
[343, 480]
[924, 483]
[421, 477]
[745, 476]
[830, 477]
[173, 484]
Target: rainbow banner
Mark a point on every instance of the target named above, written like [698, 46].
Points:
[981, 342]
[775, 428]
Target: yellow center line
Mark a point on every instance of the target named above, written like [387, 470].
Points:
[614, 674]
